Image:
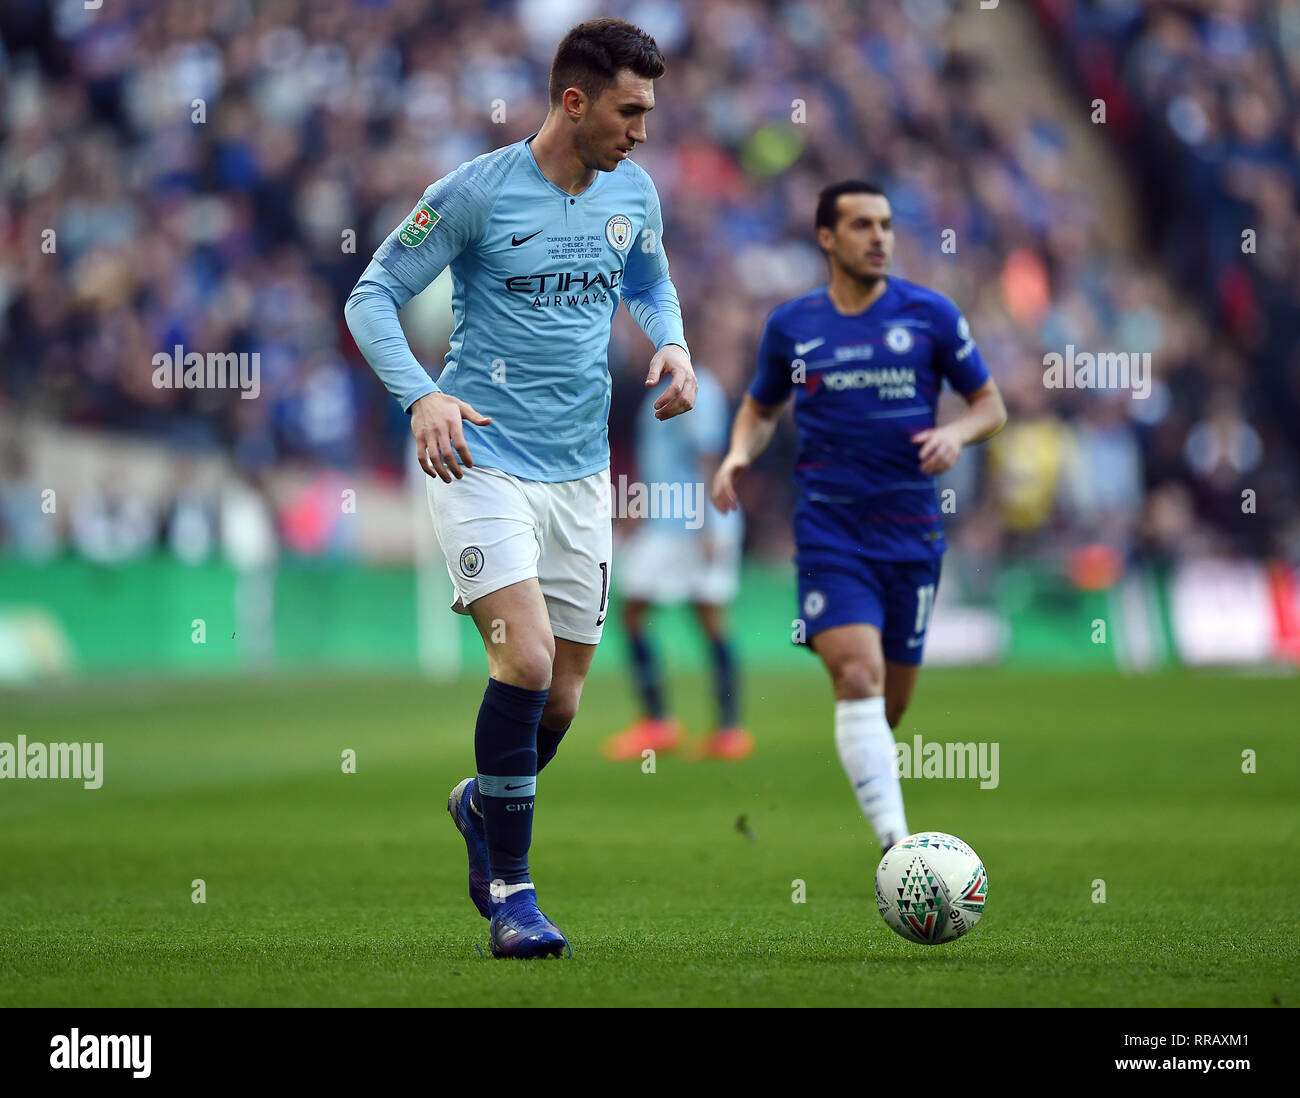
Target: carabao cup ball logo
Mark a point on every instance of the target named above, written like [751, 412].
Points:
[814, 603]
[618, 231]
[898, 340]
[471, 561]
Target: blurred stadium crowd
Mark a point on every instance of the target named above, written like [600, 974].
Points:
[202, 165]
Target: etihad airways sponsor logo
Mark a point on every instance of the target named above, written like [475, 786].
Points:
[566, 287]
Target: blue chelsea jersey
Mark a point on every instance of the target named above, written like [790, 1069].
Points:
[863, 385]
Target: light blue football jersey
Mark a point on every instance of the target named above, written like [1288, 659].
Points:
[537, 275]
[673, 451]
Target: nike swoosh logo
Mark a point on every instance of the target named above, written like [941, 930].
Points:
[515, 241]
[804, 348]
[600, 620]
[524, 786]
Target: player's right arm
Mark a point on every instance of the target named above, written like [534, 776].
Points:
[447, 219]
[436, 416]
[752, 431]
[756, 418]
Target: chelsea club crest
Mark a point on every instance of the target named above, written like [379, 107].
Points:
[898, 340]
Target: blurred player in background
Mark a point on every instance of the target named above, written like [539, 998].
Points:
[539, 236]
[691, 554]
[865, 357]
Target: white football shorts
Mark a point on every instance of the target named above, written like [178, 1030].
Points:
[496, 529]
[667, 566]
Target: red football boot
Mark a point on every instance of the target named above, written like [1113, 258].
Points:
[646, 734]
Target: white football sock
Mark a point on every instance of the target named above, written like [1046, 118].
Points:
[866, 747]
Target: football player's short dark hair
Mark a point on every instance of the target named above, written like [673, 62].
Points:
[591, 56]
[828, 213]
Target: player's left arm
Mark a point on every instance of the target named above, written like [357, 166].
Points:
[651, 298]
[958, 359]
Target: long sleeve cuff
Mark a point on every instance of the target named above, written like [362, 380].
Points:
[655, 308]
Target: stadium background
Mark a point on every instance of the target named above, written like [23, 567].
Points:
[317, 124]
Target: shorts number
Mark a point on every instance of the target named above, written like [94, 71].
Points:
[604, 591]
[924, 604]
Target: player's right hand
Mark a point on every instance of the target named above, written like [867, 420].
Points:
[724, 483]
[436, 425]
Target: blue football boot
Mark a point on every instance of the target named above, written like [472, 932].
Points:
[470, 824]
[519, 929]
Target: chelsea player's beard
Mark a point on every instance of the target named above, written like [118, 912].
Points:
[872, 271]
[855, 286]
[865, 279]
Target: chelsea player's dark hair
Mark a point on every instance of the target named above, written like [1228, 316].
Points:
[591, 56]
[828, 213]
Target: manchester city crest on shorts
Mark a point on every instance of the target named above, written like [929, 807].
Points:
[471, 561]
[618, 231]
[813, 604]
[898, 340]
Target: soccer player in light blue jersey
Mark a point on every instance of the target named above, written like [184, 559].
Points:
[682, 551]
[865, 357]
[544, 238]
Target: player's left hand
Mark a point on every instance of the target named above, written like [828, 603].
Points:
[940, 449]
[679, 397]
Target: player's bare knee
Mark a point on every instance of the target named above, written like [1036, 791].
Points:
[528, 665]
[857, 678]
[710, 619]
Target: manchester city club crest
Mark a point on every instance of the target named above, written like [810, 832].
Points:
[618, 231]
[898, 340]
[471, 561]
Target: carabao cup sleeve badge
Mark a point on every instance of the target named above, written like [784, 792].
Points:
[618, 231]
[417, 228]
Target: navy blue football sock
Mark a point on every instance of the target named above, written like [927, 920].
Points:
[647, 677]
[724, 683]
[548, 743]
[505, 751]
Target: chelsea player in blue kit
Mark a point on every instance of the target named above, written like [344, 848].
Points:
[865, 357]
[543, 237]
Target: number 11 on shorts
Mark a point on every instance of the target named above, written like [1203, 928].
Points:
[924, 605]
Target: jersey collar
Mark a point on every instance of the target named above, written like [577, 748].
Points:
[595, 183]
[826, 297]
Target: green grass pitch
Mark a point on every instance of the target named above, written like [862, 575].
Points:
[326, 888]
